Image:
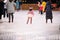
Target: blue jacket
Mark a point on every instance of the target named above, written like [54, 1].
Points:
[17, 5]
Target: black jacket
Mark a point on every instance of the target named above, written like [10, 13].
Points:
[1, 7]
[48, 10]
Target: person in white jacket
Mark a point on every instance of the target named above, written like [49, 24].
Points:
[10, 9]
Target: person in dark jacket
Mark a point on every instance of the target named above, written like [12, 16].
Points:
[1, 8]
[48, 11]
[5, 9]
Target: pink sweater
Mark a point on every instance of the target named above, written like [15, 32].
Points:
[31, 12]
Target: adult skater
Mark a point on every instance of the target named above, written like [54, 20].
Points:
[10, 9]
[49, 11]
[1, 9]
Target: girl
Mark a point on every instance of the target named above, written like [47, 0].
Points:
[30, 15]
[40, 7]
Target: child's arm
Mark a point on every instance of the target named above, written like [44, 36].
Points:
[32, 12]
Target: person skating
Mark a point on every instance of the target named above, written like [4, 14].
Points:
[30, 15]
[10, 9]
[49, 14]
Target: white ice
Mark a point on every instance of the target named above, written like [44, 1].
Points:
[38, 30]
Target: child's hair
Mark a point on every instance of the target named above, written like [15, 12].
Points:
[30, 8]
[10, 0]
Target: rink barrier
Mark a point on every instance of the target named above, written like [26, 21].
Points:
[14, 36]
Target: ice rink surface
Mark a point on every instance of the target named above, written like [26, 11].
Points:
[38, 30]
